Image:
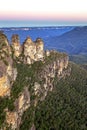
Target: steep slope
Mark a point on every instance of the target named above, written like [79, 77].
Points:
[48, 93]
[22, 87]
[31, 86]
[8, 72]
[65, 108]
[72, 42]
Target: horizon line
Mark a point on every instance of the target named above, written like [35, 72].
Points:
[41, 26]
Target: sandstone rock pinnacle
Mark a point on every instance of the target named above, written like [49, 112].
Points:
[16, 45]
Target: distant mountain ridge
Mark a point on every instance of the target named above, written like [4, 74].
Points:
[72, 42]
[35, 32]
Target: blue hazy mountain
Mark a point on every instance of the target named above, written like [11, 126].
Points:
[34, 32]
[72, 42]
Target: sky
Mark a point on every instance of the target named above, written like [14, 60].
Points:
[17, 13]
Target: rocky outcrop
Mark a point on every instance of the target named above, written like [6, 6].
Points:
[4, 86]
[57, 68]
[16, 47]
[13, 119]
[29, 51]
[3, 39]
[4, 80]
[39, 49]
[8, 73]
[33, 51]
[47, 52]
[4, 47]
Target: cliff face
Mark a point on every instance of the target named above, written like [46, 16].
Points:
[39, 49]
[4, 86]
[56, 67]
[35, 82]
[7, 72]
[6, 79]
[33, 51]
[29, 51]
[13, 119]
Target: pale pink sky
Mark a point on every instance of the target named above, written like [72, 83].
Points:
[54, 10]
